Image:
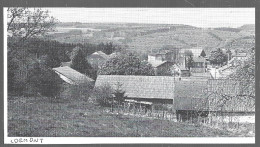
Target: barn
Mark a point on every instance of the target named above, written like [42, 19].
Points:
[202, 97]
[155, 89]
[73, 81]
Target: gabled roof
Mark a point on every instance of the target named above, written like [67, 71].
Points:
[100, 54]
[73, 75]
[157, 63]
[157, 87]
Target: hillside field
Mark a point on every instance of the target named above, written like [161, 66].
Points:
[45, 117]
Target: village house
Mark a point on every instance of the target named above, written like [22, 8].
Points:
[199, 65]
[162, 68]
[73, 80]
[97, 59]
[162, 56]
[155, 89]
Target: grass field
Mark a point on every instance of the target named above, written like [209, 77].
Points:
[44, 117]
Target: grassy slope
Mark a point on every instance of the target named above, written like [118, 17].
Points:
[46, 118]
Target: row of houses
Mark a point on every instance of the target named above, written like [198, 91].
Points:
[177, 61]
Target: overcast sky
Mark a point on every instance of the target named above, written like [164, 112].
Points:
[199, 17]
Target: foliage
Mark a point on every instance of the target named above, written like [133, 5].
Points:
[103, 95]
[245, 75]
[239, 87]
[188, 59]
[217, 57]
[126, 64]
[119, 94]
[81, 91]
[107, 48]
[25, 23]
[44, 81]
[52, 60]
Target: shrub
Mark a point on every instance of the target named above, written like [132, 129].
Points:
[103, 95]
[44, 81]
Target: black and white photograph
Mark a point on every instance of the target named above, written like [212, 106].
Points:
[116, 75]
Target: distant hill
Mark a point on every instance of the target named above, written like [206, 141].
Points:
[151, 37]
[248, 27]
[228, 29]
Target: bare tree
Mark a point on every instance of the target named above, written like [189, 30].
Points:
[25, 23]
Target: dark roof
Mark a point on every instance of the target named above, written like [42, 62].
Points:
[73, 75]
[158, 87]
[192, 88]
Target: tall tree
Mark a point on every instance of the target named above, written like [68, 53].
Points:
[188, 59]
[80, 63]
[43, 80]
[217, 57]
[25, 23]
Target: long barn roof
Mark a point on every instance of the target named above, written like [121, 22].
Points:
[75, 76]
[157, 87]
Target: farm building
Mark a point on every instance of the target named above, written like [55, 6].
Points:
[156, 57]
[73, 80]
[162, 56]
[162, 68]
[155, 89]
[208, 96]
[97, 59]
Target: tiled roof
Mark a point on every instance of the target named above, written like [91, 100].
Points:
[73, 75]
[158, 87]
[192, 88]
